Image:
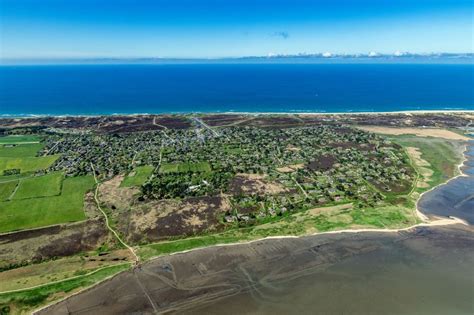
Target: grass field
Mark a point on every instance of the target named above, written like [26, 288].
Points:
[6, 189]
[200, 167]
[27, 164]
[20, 150]
[15, 139]
[39, 186]
[443, 155]
[137, 177]
[27, 300]
[38, 212]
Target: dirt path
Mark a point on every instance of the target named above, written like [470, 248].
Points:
[117, 236]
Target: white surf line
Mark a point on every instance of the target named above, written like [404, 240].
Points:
[96, 198]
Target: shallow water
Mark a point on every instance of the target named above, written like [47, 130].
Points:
[456, 198]
[415, 277]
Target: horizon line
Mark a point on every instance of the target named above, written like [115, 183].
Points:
[320, 57]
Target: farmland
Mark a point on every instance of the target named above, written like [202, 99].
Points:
[42, 211]
[20, 150]
[18, 139]
[26, 164]
[6, 189]
[39, 186]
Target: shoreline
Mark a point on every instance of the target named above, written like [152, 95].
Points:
[296, 112]
[420, 214]
[432, 223]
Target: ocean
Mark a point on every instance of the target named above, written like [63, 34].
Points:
[184, 88]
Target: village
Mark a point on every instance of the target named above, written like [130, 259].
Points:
[263, 171]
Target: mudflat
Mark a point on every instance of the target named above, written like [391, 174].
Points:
[425, 270]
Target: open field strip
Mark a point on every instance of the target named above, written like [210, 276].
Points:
[138, 176]
[421, 132]
[38, 212]
[18, 139]
[39, 186]
[27, 164]
[20, 150]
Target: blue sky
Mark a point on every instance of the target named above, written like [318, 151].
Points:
[213, 28]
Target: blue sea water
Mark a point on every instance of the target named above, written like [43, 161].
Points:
[175, 88]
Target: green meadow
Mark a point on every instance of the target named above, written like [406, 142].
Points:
[6, 189]
[16, 139]
[27, 164]
[138, 176]
[39, 186]
[200, 167]
[20, 214]
[20, 150]
[443, 155]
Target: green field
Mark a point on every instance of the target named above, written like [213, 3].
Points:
[27, 164]
[39, 186]
[200, 167]
[15, 139]
[6, 189]
[38, 212]
[443, 155]
[20, 150]
[137, 177]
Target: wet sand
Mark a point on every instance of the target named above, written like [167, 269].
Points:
[426, 270]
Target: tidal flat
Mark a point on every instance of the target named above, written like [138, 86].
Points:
[456, 197]
[425, 270]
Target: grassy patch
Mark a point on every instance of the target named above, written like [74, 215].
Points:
[15, 139]
[6, 189]
[137, 177]
[27, 300]
[200, 167]
[443, 155]
[39, 186]
[20, 150]
[148, 251]
[383, 217]
[37, 212]
[27, 164]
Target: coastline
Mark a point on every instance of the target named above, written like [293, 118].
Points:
[296, 112]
